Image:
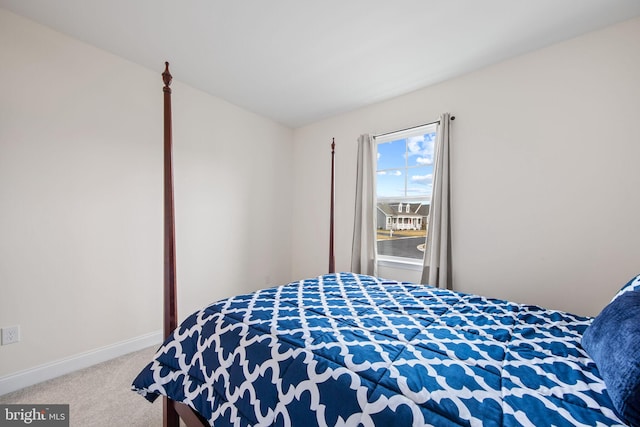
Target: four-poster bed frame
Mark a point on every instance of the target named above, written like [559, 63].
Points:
[173, 411]
[352, 349]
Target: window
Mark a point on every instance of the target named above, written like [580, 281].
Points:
[404, 185]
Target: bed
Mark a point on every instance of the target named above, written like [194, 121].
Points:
[345, 349]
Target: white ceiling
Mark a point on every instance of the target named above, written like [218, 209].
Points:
[299, 61]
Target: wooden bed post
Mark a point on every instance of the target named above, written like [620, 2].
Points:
[332, 258]
[170, 302]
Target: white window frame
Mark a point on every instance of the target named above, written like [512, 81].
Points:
[396, 261]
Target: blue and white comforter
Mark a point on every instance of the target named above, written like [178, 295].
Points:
[350, 350]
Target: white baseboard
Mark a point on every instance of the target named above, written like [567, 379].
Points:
[70, 364]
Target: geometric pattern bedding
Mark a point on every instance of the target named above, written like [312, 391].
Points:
[350, 350]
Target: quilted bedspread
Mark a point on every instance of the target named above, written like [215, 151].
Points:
[350, 350]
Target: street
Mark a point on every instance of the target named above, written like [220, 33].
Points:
[404, 247]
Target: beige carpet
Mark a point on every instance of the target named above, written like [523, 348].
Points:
[98, 396]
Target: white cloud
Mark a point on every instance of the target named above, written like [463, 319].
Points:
[390, 173]
[422, 178]
[421, 147]
[415, 144]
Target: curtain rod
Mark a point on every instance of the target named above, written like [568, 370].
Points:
[409, 128]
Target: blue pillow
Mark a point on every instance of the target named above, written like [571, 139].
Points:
[613, 342]
[632, 285]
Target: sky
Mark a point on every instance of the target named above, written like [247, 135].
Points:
[405, 167]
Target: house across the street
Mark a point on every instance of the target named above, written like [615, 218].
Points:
[402, 216]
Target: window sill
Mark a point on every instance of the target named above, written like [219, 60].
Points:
[402, 263]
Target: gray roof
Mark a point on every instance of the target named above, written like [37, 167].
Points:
[391, 209]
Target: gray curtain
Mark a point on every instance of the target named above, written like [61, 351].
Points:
[437, 256]
[364, 249]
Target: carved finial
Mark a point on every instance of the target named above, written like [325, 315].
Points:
[333, 145]
[166, 76]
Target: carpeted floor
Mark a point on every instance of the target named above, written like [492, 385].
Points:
[98, 396]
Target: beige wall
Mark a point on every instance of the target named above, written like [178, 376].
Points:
[544, 173]
[81, 197]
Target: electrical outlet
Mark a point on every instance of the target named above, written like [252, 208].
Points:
[10, 335]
